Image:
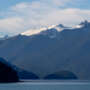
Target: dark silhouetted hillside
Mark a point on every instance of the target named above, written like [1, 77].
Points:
[7, 73]
[62, 75]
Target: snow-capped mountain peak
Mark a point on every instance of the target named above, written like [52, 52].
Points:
[84, 23]
[52, 26]
[78, 26]
[59, 28]
[3, 36]
[43, 53]
[53, 29]
[33, 32]
[81, 25]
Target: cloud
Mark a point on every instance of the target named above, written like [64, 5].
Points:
[61, 2]
[24, 16]
[11, 24]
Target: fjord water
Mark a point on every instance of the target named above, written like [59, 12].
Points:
[46, 86]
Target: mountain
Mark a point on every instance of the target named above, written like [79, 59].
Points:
[3, 36]
[23, 74]
[61, 75]
[44, 31]
[50, 50]
[7, 73]
[20, 73]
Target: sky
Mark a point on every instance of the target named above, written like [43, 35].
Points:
[18, 16]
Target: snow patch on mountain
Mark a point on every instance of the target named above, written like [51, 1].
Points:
[33, 32]
[77, 26]
[39, 31]
[54, 29]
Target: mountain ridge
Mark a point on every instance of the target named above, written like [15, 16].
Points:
[59, 28]
[68, 50]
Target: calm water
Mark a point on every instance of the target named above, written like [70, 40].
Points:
[46, 86]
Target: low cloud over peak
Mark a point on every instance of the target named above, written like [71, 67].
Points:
[35, 14]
